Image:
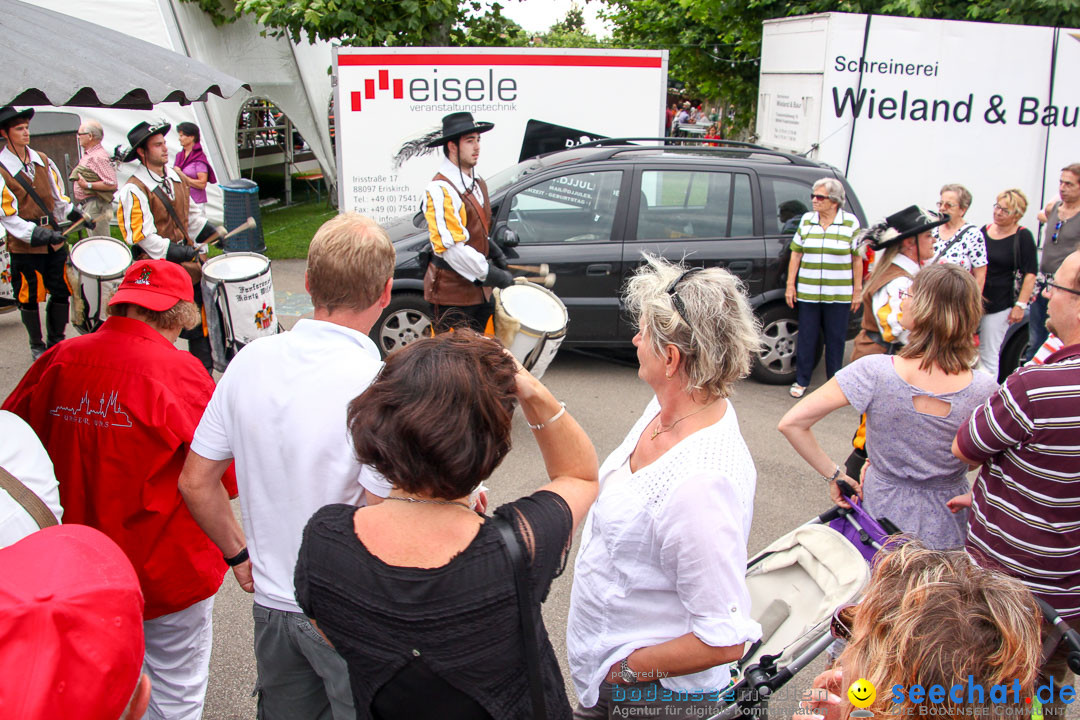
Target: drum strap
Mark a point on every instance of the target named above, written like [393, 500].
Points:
[172, 212]
[29, 500]
[468, 197]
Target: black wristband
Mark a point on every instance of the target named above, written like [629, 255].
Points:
[238, 558]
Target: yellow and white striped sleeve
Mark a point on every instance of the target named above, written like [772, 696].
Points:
[445, 213]
[14, 225]
[137, 222]
[61, 203]
[886, 305]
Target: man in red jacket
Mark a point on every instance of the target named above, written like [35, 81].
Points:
[116, 410]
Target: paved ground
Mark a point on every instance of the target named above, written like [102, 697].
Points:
[605, 397]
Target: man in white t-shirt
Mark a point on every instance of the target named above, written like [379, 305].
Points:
[280, 411]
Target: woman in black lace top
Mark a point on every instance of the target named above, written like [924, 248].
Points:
[417, 593]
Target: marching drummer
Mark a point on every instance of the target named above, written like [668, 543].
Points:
[458, 214]
[32, 205]
[156, 216]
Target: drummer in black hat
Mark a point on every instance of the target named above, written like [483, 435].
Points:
[158, 218]
[32, 208]
[458, 213]
[902, 243]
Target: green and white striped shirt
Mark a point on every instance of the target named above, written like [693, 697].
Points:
[825, 270]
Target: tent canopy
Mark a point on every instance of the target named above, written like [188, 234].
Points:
[113, 69]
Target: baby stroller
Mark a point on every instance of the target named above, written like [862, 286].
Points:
[795, 585]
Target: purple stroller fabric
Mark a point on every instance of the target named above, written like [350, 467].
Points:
[869, 539]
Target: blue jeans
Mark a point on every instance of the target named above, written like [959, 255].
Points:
[1037, 332]
[814, 319]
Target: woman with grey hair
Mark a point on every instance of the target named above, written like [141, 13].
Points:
[958, 241]
[659, 597]
[825, 279]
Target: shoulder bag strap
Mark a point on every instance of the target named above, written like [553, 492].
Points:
[171, 210]
[29, 500]
[528, 619]
[956, 236]
[21, 178]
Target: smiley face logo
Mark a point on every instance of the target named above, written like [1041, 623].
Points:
[862, 693]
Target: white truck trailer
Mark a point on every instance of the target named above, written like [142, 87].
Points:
[904, 105]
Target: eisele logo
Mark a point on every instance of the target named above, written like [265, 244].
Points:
[384, 85]
[438, 88]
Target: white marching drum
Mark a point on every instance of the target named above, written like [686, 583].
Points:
[531, 322]
[238, 296]
[7, 290]
[99, 264]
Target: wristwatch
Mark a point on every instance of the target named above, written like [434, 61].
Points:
[1021, 305]
[626, 673]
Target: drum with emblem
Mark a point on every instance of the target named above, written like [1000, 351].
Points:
[238, 296]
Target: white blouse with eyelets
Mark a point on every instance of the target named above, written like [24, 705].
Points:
[663, 554]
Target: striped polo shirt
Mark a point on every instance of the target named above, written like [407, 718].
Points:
[825, 270]
[1025, 512]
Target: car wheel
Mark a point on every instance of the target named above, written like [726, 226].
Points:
[1012, 354]
[775, 362]
[407, 318]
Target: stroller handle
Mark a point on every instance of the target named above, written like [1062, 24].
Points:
[1068, 635]
[845, 489]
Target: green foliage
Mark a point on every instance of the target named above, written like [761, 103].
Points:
[357, 22]
[218, 12]
[492, 29]
[714, 44]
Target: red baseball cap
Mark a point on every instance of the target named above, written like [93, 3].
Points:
[71, 615]
[155, 285]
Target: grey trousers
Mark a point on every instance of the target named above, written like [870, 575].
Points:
[301, 676]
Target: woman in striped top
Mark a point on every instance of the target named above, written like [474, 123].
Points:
[825, 278]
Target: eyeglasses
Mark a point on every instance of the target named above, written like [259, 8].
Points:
[905, 294]
[673, 293]
[82, 133]
[1053, 238]
[819, 198]
[1055, 286]
[842, 620]
[999, 208]
[946, 206]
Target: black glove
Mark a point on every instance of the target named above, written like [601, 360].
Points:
[497, 256]
[178, 253]
[43, 235]
[497, 277]
[75, 216]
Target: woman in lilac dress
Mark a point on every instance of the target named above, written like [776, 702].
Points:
[192, 162]
[914, 401]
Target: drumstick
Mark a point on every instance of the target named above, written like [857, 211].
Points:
[547, 281]
[541, 269]
[224, 234]
[75, 224]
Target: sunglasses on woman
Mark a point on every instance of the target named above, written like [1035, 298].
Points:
[673, 293]
[819, 198]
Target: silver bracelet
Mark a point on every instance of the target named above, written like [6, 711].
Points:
[550, 420]
[835, 475]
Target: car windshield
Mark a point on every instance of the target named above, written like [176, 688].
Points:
[511, 175]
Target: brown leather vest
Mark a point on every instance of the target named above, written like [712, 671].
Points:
[28, 209]
[166, 226]
[443, 286]
[863, 344]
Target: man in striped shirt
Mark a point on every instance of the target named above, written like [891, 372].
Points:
[1025, 506]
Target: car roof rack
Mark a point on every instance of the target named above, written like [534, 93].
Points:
[710, 144]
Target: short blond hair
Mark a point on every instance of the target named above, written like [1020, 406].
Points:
[349, 261]
[183, 315]
[1014, 200]
[719, 334]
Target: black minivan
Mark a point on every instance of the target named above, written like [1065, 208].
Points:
[590, 212]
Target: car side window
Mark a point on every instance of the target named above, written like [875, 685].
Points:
[570, 208]
[676, 204]
[791, 200]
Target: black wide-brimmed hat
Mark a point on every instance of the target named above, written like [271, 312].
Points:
[140, 134]
[8, 115]
[457, 124]
[906, 223]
